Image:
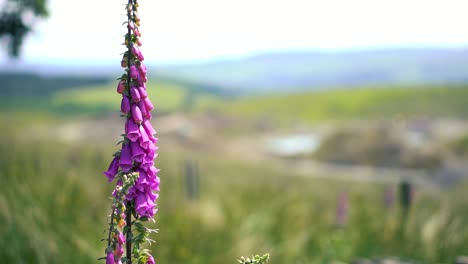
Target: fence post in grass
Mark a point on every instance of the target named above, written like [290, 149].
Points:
[406, 195]
[191, 179]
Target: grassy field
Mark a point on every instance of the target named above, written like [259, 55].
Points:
[53, 208]
[54, 198]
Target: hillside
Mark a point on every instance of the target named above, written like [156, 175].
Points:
[311, 69]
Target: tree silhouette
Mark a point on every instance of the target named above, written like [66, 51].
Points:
[16, 19]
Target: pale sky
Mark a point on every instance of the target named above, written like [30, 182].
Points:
[185, 30]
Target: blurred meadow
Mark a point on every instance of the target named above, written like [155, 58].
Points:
[324, 157]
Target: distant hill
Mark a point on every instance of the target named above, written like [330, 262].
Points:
[310, 70]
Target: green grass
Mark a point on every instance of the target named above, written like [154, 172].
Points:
[356, 103]
[53, 208]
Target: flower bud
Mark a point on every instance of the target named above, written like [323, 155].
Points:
[121, 87]
[120, 238]
[149, 106]
[133, 72]
[142, 92]
[136, 114]
[125, 105]
[122, 223]
[110, 258]
[137, 53]
[135, 94]
[150, 260]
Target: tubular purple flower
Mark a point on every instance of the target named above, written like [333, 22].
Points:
[142, 69]
[138, 154]
[138, 42]
[137, 53]
[143, 110]
[126, 158]
[142, 92]
[149, 106]
[118, 250]
[150, 260]
[136, 114]
[121, 87]
[135, 94]
[132, 130]
[110, 258]
[120, 238]
[148, 161]
[112, 170]
[125, 105]
[144, 139]
[148, 128]
[133, 72]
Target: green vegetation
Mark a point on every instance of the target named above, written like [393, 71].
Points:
[360, 103]
[53, 206]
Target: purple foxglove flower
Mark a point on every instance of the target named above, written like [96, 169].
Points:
[137, 53]
[135, 94]
[133, 72]
[125, 105]
[152, 171]
[148, 128]
[141, 204]
[149, 106]
[142, 69]
[150, 260]
[142, 181]
[112, 170]
[120, 238]
[142, 92]
[144, 139]
[132, 130]
[154, 140]
[147, 162]
[118, 250]
[151, 150]
[144, 112]
[138, 154]
[138, 42]
[126, 158]
[121, 87]
[110, 258]
[136, 114]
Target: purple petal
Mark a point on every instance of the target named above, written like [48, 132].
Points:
[135, 94]
[136, 114]
[132, 129]
[138, 154]
[142, 91]
[149, 106]
[112, 170]
[144, 139]
[148, 128]
[126, 158]
[125, 105]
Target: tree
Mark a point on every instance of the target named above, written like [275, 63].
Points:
[16, 19]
